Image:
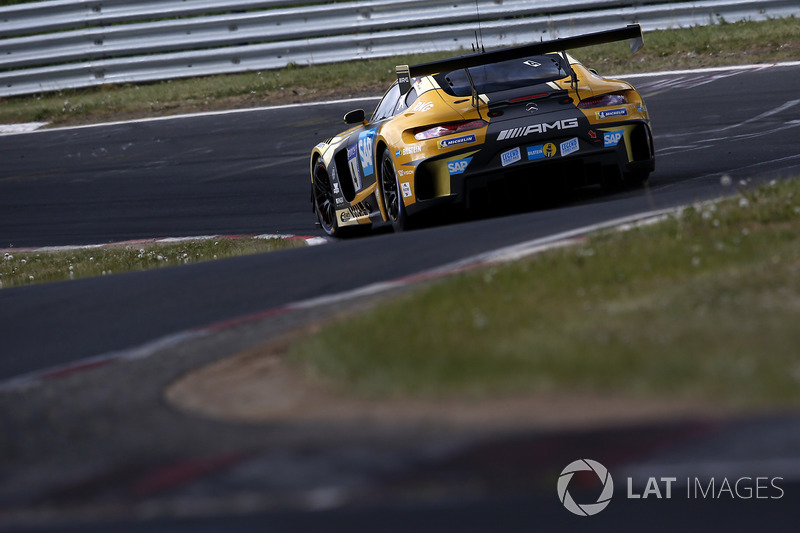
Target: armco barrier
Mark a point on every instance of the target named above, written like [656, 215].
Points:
[60, 44]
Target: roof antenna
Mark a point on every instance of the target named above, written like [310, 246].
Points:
[480, 31]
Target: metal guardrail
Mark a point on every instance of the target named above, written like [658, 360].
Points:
[60, 44]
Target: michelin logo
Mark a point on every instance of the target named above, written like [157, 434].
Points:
[611, 113]
[458, 140]
[458, 167]
[542, 127]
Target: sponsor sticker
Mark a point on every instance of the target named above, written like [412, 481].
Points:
[422, 107]
[542, 127]
[409, 150]
[611, 113]
[458, 166]
[532, 63]
[541, 151]
[406, 188]
[612, 138]
[569, 147]
[536, 152]
[352, 163]
[512, 156]
[354, 211]
[447, 143]
[366, 144]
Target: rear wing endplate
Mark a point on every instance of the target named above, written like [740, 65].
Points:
[632, 32]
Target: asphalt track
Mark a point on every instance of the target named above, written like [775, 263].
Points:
[246, 172]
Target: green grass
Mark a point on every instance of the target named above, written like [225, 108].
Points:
[704, 305]
[19, 268]
[720, 44]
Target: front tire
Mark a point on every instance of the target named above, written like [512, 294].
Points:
[392, 197]
[324, 201]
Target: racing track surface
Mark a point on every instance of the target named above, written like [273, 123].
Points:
[245, 173]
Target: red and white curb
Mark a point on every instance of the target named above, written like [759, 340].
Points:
[500, 255]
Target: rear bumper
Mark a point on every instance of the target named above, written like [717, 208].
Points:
[593, 164]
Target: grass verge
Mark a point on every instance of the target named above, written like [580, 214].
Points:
[704, 305]
[19, 268]
[702, 46]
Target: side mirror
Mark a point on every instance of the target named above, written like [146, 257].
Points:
[354, 117]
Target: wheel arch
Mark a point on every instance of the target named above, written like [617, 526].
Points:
[380, 146]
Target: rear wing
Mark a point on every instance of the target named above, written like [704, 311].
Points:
[405, 73]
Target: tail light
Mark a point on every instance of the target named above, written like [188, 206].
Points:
[431, 132]
[604, 100]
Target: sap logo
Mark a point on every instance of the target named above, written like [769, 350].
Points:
[366, 142]
[542, 127]
[422, 106]
[611, 113]
[612, 138]
[459, 166]
[512, 156]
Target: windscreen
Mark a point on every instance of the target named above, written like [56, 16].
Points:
[504, 76]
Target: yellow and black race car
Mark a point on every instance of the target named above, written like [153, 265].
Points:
[461, 129]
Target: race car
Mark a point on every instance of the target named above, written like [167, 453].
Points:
[487, 126]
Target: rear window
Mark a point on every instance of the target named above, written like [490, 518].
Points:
[505, 75]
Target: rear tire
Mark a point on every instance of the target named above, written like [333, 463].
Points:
[390, 191]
